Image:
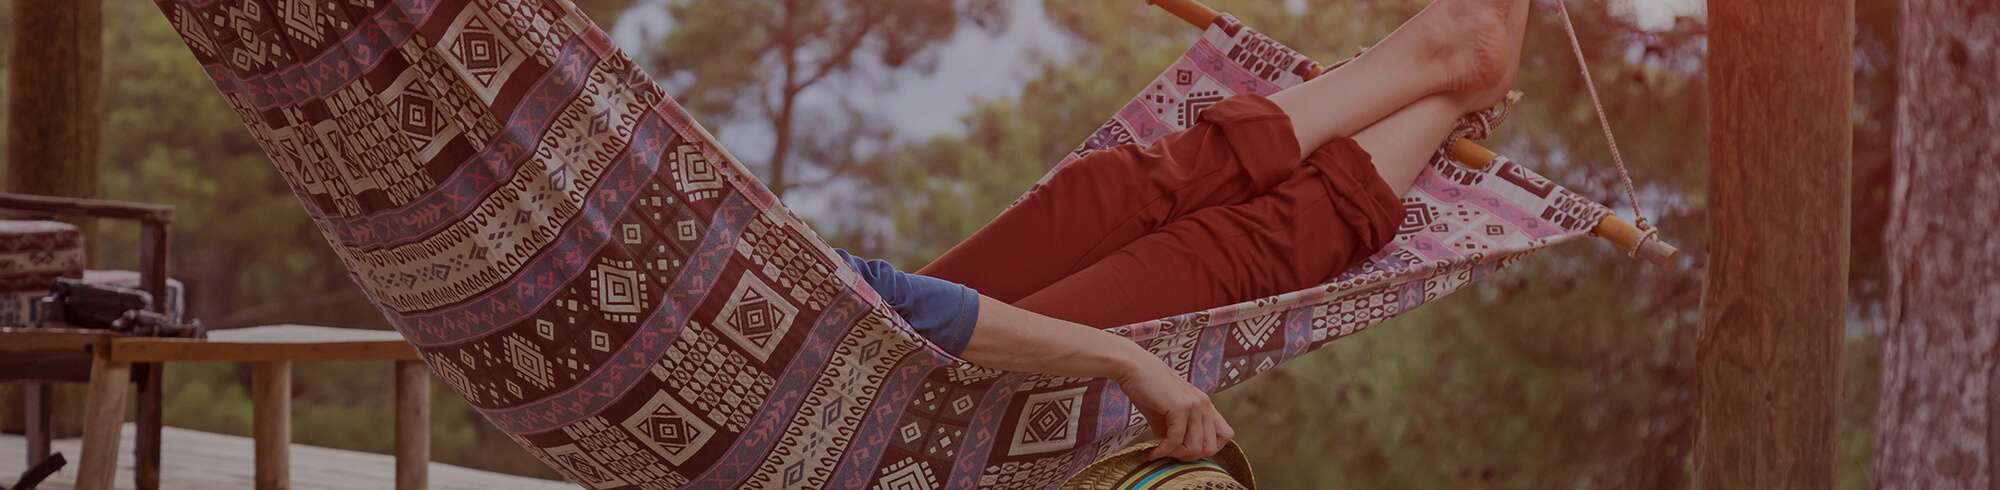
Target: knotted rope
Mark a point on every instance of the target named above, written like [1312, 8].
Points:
[1478, 126]
[1648, 233]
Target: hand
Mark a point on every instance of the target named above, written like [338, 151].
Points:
[1012, 339]
[1179, 413]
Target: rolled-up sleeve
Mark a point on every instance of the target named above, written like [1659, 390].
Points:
[940, 310]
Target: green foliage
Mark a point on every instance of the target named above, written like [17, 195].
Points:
[1488, 388]
[208, 397]
[604, 13]
[1861, 367]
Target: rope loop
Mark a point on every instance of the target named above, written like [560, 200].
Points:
[1647, 233]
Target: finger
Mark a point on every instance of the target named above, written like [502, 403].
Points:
[1207, 439]
[1192, 443]
[1176, 429]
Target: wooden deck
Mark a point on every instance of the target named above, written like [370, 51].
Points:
[201, 460]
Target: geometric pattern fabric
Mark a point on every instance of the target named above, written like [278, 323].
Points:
[570, 251]
[33, 254]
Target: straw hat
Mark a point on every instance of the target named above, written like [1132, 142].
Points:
[1130, 469]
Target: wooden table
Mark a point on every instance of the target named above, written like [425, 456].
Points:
[271, 350]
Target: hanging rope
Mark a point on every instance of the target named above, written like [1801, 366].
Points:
[1648, 232]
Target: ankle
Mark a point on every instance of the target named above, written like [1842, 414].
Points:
[1469, 39]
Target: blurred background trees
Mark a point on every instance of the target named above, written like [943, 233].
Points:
[1938, 405]
[1572, 369]
[732, 61]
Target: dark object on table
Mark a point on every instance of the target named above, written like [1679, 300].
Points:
[125, 310]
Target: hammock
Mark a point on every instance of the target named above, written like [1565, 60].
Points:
[570, 251]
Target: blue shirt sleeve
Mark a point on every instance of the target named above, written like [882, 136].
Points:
[940, 310]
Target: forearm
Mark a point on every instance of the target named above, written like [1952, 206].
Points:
[1012, 339]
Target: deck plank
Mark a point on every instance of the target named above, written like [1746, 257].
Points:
[202, 460]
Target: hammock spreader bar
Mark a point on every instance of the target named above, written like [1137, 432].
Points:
[1617, 231]
[567, 249]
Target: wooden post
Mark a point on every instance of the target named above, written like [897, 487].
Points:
[153, 272]
[103, 420]
[1773, 308]
[146, 439]
[413, 425]
[40, 398]
[53, 104]
[271, 423]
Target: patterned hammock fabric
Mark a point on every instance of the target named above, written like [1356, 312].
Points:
[580, 260]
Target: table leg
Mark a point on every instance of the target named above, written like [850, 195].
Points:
[271, 426]
[38, 424]
[103, 419]
[146, 470]
[413, 425]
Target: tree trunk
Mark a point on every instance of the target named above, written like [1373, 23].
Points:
[1935, 423]
[1767, 357]
[53, 107]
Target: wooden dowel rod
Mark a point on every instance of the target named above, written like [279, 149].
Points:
[1189, 10]
[1623, 234]
[1617, 231]
[1472, 155]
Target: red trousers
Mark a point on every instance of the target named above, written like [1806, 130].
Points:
[1219, 213]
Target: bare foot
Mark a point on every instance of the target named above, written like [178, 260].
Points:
[1474, 41]
[1507, 63]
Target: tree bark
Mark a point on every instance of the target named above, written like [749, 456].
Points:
[53, 101]
[1767, 357]
[1935, 419]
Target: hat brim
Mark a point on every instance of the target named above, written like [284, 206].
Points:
[1109, 472]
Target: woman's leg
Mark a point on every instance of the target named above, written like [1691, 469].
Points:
[1333, 213]
[1111, 197]
[1452, 46]
[1403, 143]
